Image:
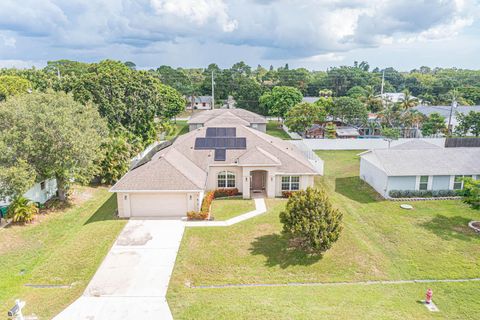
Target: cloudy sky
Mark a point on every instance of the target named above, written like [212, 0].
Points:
[314, 34]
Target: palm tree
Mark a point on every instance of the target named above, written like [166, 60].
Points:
[408, 101]
[22, 210]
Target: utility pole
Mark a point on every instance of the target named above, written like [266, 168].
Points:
[453, 105]
[213, 92]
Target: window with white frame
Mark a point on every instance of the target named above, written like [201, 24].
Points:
[423, 183]
[459, 181]
[226, 179]
[290, 183]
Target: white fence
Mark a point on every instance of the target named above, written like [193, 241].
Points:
[361, 144]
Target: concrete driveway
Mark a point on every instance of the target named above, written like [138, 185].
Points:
[132, 281]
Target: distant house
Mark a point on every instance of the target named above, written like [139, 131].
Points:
[199, 103]
[222, 117]
[418, 165]
[444, 111]
[317, 131]
[230, 103]
[40, 193]
[394, 97]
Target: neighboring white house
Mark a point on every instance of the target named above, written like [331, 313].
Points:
[418, 165]
[199, 103]
[222, 117]
[444, 111]
[310, 99]
[40, 192]
[394, 97]
[174, 180]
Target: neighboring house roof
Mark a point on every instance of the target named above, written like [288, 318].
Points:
[347, 132]
[224, 119]
[245, 115]
[200, 99]
[310, 99]
[182, 167]
[416, 144]
[430, 161]
[445, 110]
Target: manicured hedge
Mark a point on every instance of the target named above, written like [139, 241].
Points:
[207, 201]
[422, 193]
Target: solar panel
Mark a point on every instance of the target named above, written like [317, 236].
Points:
[231, 132]
[220, 154]
[230, 143]
[221, 143]
[200, 143]
[210, 143]
[221, 132]
[211, 132]
[241, 143]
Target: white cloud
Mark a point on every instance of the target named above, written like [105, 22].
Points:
[198, 12]
[8, 41]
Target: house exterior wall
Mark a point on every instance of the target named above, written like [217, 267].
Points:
[259, 126]
[36, 194]
[199, 106]
[213, 173]
[441, 183]
[194, 126]
[373, 176]
[157, 204]
[305, 182]
[402, 183]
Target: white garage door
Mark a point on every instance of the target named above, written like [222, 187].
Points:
[158, 205]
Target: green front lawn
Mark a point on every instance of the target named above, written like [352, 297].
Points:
[380, 241]
[274, 129]
[181, 127]
[226, 208]
[62, 248]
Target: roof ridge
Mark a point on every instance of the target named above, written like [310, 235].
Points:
[179, 170]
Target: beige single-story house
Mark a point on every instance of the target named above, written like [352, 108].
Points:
[222, 117]
[176, 177]
[418, 165]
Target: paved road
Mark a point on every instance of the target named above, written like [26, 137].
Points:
[132, 281]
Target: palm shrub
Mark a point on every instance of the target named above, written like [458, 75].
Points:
[22, 210]
[311, 221]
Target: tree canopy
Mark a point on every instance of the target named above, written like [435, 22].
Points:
[303, 115]
[53, 135]
[278, 101]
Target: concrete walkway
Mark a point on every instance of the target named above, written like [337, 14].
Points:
[132, 281]
[260, 208]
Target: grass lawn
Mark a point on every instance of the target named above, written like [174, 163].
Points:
[64, 247]
[380, 241]
[181, 127]
[224, 209]
[274, 130]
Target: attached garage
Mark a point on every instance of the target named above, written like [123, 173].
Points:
[157, 204]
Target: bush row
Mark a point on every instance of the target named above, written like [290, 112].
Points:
[422, 193]
[207, 201]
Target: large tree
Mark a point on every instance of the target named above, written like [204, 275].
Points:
[349, 110]
[13, 85]
[468, 123]
[433, 125]
[303, 115]
[278, 101]
[128, 99]
[55, 135]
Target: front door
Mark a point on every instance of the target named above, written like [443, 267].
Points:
[257, 180]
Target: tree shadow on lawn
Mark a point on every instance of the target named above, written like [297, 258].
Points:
[449, 228]
[276, 249]
[106, 212]
[355, 189]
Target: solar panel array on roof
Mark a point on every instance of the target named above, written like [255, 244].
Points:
[221, 132]
[220, 139]
[220, 154]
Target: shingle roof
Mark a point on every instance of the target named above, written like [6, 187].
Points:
[310, 99]
[430, 161]
[245, 115]
[181, 167]
[445, 110]
[416, 144]
[200, 99]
